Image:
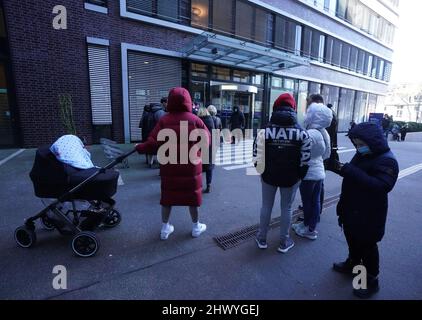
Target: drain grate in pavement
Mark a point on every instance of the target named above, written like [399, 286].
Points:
[235, 238]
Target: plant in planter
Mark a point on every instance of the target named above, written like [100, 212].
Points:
[66, 113]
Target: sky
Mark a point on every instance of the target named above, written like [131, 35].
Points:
[407, 58]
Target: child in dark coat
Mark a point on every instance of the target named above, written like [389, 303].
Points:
[363, 205]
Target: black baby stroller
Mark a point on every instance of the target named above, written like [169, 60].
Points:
[54, 179]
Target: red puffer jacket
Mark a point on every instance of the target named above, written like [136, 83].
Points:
[181, 184]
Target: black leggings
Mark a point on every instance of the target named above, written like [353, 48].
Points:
[363, 252]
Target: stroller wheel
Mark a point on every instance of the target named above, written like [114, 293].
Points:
[25, 237]
[47, 223]
[85, 244]
[112, 219]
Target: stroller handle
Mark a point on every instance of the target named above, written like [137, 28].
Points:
[119, 159]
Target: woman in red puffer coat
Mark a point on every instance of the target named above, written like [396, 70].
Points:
[181, 178]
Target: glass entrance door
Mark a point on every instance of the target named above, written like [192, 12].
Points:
[226, 97]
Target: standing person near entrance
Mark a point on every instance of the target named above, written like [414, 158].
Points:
[362, 209]
[318, 117]
[208, 168]
[217, 123]
[181, 184]
[155, 113]
[163, 102]
[145, 129]
[237, 123]
[281, 154]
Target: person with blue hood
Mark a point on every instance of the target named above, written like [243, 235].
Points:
[362, 209]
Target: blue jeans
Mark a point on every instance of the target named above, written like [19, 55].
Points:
[310, 191]
[287, 196]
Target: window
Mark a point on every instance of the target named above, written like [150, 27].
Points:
[345, 109]
[387, 71]
[168, 9]
[263, 27]
[380, 73]
[220, 73]
[361, 61]
[399, 113]
[223, 16]
[341, 9]
[328, 54]
[244, 20]
[199, 70]
[200, 13]
[258, 79]
[276, 82]
[353, 59]
[172, 10]
[315, 48]
[327, 5]
[285, 34]
[306, 42]
[368, 64]
[336, 57]
[345, 55]
[142, 7]
[184, 12]
[351, 11]
[99, 79]
[241, 76]
[102, 3]
[374, 67]
[314, 88]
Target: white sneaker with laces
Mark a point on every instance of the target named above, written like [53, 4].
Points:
[198, 229]
[166, 230]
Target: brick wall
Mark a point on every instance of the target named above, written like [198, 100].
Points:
[48, 62]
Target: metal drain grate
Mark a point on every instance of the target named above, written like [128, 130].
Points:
[233, 239]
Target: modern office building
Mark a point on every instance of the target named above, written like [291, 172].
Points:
[113, 57]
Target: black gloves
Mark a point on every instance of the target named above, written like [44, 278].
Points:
[335, 166]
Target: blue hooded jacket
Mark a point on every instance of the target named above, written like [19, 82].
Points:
[368, 179]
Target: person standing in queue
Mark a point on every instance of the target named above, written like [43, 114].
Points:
[363, 206]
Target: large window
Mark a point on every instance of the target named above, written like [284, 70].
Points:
[353, 59]
[264, 27]
[222, 18]
[200, 13]
[244, 19]
[172, 10]
[336, 56]
[285, 34]
[361, 61]
[359, 15]
[221, 73]
[345, 109]
[102, 3]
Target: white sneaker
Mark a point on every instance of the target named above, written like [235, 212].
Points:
[166, 230]
[198, 229]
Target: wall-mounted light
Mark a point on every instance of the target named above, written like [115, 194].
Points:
[146, 62]
[196, 11]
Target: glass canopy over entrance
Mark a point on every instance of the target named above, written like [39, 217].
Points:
[213, 48]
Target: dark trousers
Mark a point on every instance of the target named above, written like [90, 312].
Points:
[208, 176]
[364, 252]
[310, 192]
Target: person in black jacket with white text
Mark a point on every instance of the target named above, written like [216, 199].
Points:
[281, 154]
